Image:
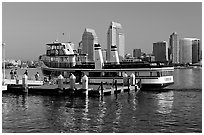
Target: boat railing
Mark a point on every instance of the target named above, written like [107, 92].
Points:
[55, 64]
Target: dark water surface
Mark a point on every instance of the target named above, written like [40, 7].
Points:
[178, 110]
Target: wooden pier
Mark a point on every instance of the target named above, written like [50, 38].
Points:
[71, 89]
[92, 91]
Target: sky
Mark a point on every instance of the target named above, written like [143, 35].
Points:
[27, 27]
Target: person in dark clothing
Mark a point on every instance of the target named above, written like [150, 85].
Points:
[15, 73]
[12, 75]
[26, 72]
[50, 77]
[37, 76]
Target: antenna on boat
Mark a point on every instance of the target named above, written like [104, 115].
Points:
[57, 36]
[68, 36]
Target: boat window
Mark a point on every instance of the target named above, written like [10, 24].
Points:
[144, 73]
[154, 73]
[137, 74]
[111, 74]
[158, 74]
[94, 74]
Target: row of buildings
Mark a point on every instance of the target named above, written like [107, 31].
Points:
[178, 51]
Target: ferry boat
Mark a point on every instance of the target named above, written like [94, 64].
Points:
[60, 58]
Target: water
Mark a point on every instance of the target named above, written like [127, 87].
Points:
[178, 110]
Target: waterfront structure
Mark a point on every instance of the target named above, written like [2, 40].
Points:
[115, 37]
[89, 38]
[61, 59]
[137, 53]
[190, 51]
[174, 48]
[160, 51]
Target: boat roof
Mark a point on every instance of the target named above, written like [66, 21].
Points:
[113, 70]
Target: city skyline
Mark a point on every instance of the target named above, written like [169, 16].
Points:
[29, 26]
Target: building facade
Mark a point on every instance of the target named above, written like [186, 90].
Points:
[89, 38]
[174, 48]
[190, 50]
[115, 37]
[196, 51]
[160, 51]
[137, 53]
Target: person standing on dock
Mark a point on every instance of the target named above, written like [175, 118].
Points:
[12, 75]
[26, 72]
[15, 73]
[37, 75]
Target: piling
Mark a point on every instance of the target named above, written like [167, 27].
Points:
[60, 81]
[116, 89]
[128, 84]
[132, 79]
[125, 79]
[72, 81]
[85, 84]
[102, 89]
[25, 83]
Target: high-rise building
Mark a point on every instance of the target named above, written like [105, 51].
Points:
[115, 37]
[190, 50]
[137, 53]
[174, 48]
[196, 51]
[160, 51]
[89, 38]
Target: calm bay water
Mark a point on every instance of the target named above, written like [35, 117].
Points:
[178, 110]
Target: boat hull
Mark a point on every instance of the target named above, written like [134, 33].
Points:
[147, 83]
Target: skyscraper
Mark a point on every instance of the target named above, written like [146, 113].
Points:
[196, 51]
[174, 48]
[137, 53]
[190, 50]
[89, 38]
[160, 51]
[115, 37]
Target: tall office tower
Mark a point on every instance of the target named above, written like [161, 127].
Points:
[196, 51]
[190, 50]
[89, 38]
[115, 37]
[174, 48]
[137, 53]
[160, 51]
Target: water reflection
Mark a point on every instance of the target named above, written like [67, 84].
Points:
[100, 115]
[118, 111]
[85, 119]
[187, 79]
[165, 102]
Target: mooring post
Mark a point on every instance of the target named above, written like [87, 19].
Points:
[60, 81]
[136, 85]
[25, 83]
[140, 84]
[101, 88]
[85, 84]
[72, 81]
[128, 83]
[116, 91]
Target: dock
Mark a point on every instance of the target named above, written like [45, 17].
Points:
[71, 89]
[92, 91]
